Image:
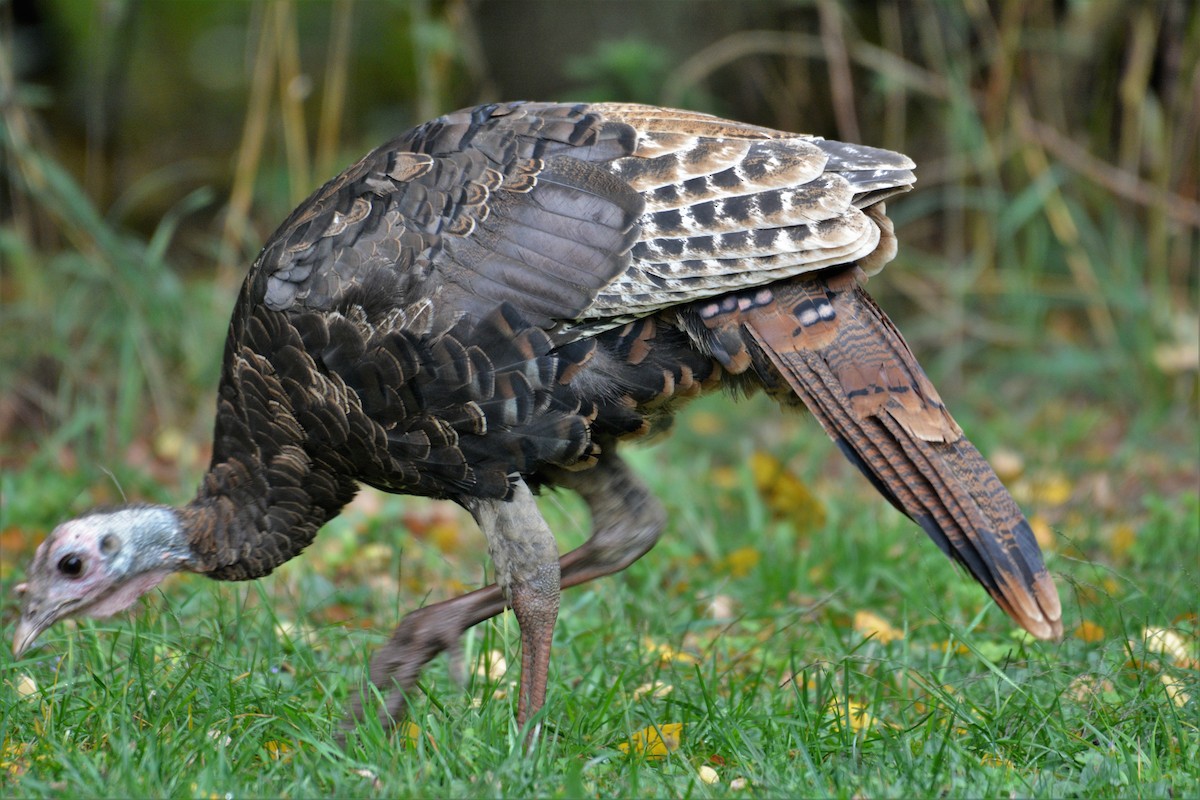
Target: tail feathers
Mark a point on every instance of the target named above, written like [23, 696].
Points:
[841, 355]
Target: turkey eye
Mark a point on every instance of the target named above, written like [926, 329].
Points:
[71, 566]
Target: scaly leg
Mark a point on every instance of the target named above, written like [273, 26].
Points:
[626, 522]
[525, 557]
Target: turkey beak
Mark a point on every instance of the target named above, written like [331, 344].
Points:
[30, 625]
[26, 632]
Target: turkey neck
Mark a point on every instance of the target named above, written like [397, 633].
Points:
[245, 521]
[272, 482]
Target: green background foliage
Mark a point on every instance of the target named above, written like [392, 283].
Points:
[1047, 278]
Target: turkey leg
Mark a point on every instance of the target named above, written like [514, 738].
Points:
[525, 558]
[626, 522]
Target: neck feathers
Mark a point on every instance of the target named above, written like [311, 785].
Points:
[269, 488]
[250, 516]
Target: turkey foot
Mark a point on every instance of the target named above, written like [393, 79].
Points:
[417, 640]
[536, 607]
[626, 522]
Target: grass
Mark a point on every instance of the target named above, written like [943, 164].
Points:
[236, 690]
[814, 642]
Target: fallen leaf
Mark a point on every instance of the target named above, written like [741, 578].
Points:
[1087, 687]
[1042, 532]
[723, 478]
[13, 543]
[410, 734]
[656, 690]
[1174, 359]
[278, 751]
[720, 607]
[1170, 644]
[447, 537]
[859, 717]
[871, 625]
[373, 557]
[708, 774]
[655, 741]
[785, 494]
[1174, 687]
[959, 648]
[706, 423]
[1053, 490]
[740, 562]
[222, 739]
[1008, 464]
[667, 654]
[369, 775]
[991, 760]
[170, 444]
[492, 666]
[1089, 632]
[26, 686]
[1121, 540]
[293, 634]
[13, 757]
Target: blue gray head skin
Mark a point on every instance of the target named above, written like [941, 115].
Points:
[98, 565]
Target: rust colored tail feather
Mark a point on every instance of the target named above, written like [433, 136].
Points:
[843, 357]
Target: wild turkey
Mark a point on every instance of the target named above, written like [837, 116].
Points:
[488, 304]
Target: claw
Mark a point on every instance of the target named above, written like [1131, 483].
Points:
[418, 639]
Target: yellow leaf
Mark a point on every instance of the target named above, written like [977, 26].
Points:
[294, 634]
[1175, 690]
[1054, 490]
[410, 733]
[1008, 464]
[1170, 644]
[959, 648]
[656, 690]
[1175, 358]
[724, 478]
[991, 760]
[374, 556]
[492, 666]
[720, 607]
[446, 536]
[26, 686]
[1086, 687]
[739, 563]
[873, 625]
[1042, 532]
[1089, 632]
[654, 742]
[13, 758]
[455, 587]
[859, 717]
[706, 423]
[1122, 539]
[667, 654]
[170, 443]
[785, 494]
[278, 751]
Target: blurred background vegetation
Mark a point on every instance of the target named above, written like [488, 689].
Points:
[1047, 275]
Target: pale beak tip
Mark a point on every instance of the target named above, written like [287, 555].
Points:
[23, 637]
